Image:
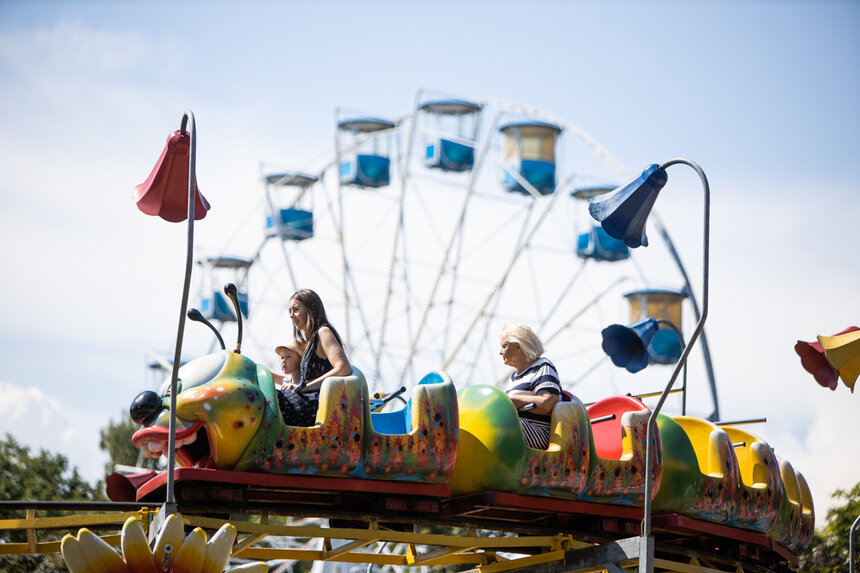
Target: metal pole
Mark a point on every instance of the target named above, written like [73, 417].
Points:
[677, 331]
[646, 562]
[706, 352]
[852, 553]
[170, 502]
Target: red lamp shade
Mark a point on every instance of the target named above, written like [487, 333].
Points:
[165, 191]
[842, 351]
[841, 357]
[813, 361]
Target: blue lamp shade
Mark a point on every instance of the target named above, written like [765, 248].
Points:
[666, 347]
[624, 212]
[627, 346]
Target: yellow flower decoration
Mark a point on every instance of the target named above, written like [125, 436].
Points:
[172, 552]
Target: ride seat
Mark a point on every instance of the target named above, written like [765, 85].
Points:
[750, 452]
[796, 489]
[610, 439]
[400, 421]
[713, 447]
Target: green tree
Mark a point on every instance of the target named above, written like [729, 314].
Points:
[828, 552]
[115, 439]
[44, 476]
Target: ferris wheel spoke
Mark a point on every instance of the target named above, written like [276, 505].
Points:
[276, 219]
[361, 314]
[454, 276]
[490, 316]
[588, 371]
[589, 305]
[501, 283]
[470, 187]
[520, 246]
[398, 229]
[563, 294]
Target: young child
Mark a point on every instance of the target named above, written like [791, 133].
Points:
[291, 361]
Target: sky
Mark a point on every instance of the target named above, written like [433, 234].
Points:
[765, 96]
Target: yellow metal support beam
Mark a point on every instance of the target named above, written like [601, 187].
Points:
[677, 567]
[72, 521]
[447, 549]
[371, 535]
[440, 549]
[433, 556]
[31, 533]
[47, 546]
[32, 525]
[530, 561]
[333, 554]
[248, 541]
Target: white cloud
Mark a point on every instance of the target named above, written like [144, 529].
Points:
[38, 421]
[69, 48]
[824, 451]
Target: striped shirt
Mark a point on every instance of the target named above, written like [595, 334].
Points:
[539, 378]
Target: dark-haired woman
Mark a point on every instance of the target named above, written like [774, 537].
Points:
[324, 357]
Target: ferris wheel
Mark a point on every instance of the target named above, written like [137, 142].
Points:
[425, 232]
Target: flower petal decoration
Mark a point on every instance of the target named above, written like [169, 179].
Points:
[842, 351]
[173, 551]
[165, 191]
[627, 346]
[624, 212]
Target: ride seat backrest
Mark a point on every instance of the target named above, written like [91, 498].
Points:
[805, 494]
[791, 483]
[708, 441]
[754, 472]
[400, 421]
[267, 387]
[396, 422]
[608, 436]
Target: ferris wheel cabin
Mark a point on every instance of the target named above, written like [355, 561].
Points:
[451, 145]
[529, 156]
[291, 222]
[367, 163]
[217, 271]
[597, 244]
[660, 304]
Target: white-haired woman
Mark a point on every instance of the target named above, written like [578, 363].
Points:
[534, 381]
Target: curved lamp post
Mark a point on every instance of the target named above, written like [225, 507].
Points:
[623, 214]
[852, 551]
[164, 194]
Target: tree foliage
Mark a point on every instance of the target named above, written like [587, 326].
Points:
[115, 439]
[42, 476]
[828, 552]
